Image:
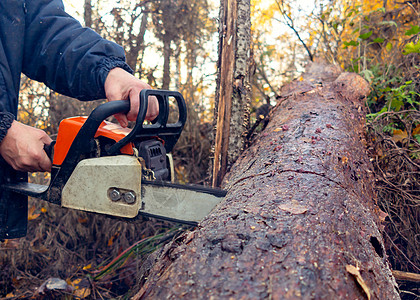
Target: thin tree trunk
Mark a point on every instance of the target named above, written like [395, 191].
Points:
[233, 85]
[88, 13]
[137, 43]
[299, 220]
[166, 62]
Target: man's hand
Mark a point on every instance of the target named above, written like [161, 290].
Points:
[23, 148]
[121, 85]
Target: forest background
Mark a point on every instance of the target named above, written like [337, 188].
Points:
[173, 45]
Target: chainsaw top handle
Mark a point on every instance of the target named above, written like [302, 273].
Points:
[160, 127]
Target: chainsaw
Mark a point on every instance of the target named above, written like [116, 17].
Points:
[101, 167]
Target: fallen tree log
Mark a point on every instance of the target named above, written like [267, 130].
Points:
[299, 220]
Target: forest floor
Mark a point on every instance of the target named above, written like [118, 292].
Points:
[87, 256]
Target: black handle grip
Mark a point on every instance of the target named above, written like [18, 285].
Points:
[160, 127]
[49, 149]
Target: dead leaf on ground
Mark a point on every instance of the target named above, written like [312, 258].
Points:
[356, 273]
[81, 288]
[54, 284]
[416, 130]
[399, 136]
[32, 215]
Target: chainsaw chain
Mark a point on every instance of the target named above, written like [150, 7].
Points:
[147, 174]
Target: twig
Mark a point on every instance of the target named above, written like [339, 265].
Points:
[407, 276]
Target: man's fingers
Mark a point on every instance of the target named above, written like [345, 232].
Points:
[45, 163]
[134, 105]
[45, 138]
[122, 119]
[152, 108]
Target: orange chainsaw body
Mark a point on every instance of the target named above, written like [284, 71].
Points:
[69, 128]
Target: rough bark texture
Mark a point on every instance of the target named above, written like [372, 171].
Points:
[233, 88]
[299, 220]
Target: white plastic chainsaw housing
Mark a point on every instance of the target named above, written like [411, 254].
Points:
[108, 185]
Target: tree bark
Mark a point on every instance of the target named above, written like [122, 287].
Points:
[233, 85]
[299, 220]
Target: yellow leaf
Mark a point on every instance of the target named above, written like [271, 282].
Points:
[82, 293]
[277, 129]
[112, 239]
[32, 215]
[81, 288]
[398, 135]
[10, 295]
[43, 210]
[355, 272]
[76, 282]
[87, 267]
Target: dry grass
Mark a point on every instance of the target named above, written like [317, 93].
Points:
[397, 164]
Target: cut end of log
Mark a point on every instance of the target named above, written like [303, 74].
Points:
[352, 86]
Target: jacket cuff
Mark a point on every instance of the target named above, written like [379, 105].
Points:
[111, 62]
[106, 65]
[6, 120]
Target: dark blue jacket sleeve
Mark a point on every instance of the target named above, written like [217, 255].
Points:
[68, 58]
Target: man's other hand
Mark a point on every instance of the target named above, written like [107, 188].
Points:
[121, 85]
[23, 148]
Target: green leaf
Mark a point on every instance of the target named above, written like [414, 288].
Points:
[372, 116]
[388, 47]
[396, 104]
[411, 48]
[378, 40]
[365, 36]
[413, 30]
[351, 43]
